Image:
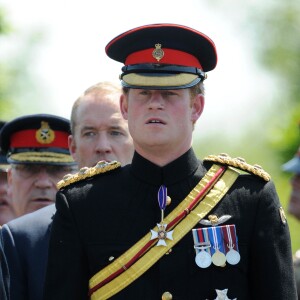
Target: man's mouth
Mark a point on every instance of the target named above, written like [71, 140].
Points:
[42, 200]
[155, 121]
[3, 202]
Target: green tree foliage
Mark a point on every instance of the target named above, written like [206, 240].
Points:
[19, 91]
[278, 28]
[6, 103]
[273, 27]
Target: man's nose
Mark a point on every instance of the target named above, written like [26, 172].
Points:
[156, 101]
[103, 143]
[44, 180]
[3, 187]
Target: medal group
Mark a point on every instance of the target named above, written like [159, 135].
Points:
[216, 244]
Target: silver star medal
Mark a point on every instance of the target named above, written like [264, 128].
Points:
[222, 295]
[161, 234]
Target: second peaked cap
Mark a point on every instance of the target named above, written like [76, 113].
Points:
[37, 139]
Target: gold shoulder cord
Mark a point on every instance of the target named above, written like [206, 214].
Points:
[101, 167]
[239, 163]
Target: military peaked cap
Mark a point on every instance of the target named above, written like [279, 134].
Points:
[163, 56]
[38, 139]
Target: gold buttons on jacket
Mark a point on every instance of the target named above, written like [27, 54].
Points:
[168, 200]
[166, 296]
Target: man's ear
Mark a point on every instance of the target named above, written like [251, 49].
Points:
[197, 107]
[124, 106]
[72, 146]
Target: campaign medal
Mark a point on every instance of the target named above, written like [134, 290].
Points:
[232, 256]
[162, 234]
[218, 258]
[202, 245]
[203, 258]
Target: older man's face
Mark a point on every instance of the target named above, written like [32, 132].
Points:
[6, 211]
[101, 133]
[32, 187]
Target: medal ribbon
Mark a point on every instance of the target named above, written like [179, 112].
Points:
[200, 236]
[215, 237]
[162, 200]
[230, 237]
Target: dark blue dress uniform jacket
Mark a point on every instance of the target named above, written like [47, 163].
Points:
[103, 216]
[4, 275]
[26, 241]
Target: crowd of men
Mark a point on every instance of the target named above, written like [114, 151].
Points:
[114, 203]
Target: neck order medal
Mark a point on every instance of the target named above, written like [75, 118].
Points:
[161, 234]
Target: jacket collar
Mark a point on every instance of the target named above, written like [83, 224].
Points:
[173, 172]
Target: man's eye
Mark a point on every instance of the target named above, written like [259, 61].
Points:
[144, 92]
[30, 168]
[89, 133]
[116, 133]
[169, 93]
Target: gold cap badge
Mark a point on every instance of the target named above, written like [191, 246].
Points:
[158, 53]
[45, 135]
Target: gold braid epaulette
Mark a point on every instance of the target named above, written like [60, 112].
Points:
[239, 163]
[99, 168]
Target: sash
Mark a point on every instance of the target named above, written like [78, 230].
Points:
[141, 256]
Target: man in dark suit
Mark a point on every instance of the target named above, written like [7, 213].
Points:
[293, 166]
[98, 133]
[37, 150]
[168, 226]
[4, 275]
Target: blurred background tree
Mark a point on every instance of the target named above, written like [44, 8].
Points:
[6, 102]
[20, 89]
[274, 26]
[278, 29]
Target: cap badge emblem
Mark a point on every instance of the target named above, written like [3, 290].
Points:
[158, 53]
[45, 135]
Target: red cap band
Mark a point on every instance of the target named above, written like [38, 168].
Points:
[27, 139]
[171, 56]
